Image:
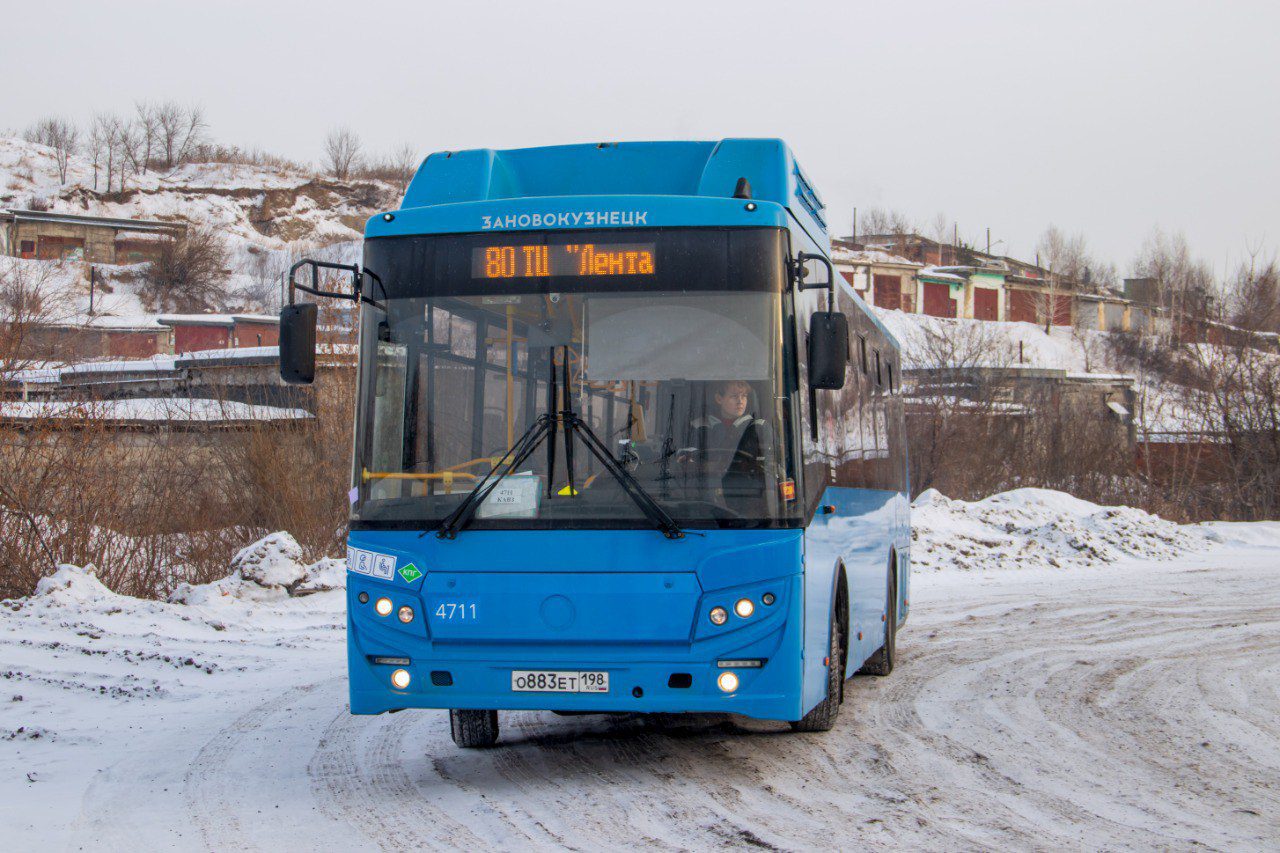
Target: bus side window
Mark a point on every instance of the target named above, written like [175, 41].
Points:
[879, 380]
[862, 346]
[889, 366]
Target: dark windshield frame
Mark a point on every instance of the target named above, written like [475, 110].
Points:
[687, 259]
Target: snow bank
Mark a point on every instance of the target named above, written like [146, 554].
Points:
[1041, 528]
[270, 569]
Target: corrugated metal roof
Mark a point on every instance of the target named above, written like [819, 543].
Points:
[93, 221]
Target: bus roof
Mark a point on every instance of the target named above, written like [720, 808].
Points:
[690, 169]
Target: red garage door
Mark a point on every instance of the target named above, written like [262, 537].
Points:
[1022, 306]
[888, 292]
[1061, 310]
[938, 301]
[986, 304]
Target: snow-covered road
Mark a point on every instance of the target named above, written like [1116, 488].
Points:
[1135, 705]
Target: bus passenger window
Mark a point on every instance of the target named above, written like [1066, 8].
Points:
[862, 345]
[879, 381]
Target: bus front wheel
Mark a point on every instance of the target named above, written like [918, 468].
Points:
[822, 718]
[473, 729]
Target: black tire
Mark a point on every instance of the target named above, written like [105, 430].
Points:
[823, 715]
[881, 663]
[474, 729]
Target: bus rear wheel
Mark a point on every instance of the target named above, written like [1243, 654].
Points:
[822, 718]
[881, 663]
[474, 729]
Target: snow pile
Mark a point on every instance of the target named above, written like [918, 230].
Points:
[73, 586]
[1041, 528]
[270, 569]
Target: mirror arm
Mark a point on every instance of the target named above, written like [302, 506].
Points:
[830, 284]
[354, 296]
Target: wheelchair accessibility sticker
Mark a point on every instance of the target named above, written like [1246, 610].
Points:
[371, 563]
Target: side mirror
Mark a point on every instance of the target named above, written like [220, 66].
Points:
[298, 343]
[828, 350]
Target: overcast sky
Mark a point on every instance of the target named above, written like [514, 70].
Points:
[1104, 118]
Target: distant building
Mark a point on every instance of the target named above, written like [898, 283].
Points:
[98, 337]
[195, 332]
[96, 239]
[882, 279]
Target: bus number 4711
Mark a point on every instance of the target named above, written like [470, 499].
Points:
[455, 610]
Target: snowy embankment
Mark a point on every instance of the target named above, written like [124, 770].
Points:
[1039, 528]
[1117, 687]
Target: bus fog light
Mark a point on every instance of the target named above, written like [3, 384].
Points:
[406, 614]
[400, 678]
[383, 606]
[745, 607]
[719, 615]
[728, 682]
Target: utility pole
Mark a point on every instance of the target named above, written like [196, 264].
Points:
[988, 241]
[93, 276]
[855, 225]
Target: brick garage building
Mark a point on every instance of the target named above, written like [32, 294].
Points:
[195, 332]
[97, 239]
[97, 338]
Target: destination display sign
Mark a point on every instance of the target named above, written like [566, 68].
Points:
[569, 259]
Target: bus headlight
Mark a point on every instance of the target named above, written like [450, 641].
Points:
[400, 679]
[727, 681]
[745, 607]
[383, 606]
[406, 614]
[719, 616]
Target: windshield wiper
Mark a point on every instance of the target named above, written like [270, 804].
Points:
[517, 454]
[544, 426]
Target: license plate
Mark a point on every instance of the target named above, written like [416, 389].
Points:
[555, 681]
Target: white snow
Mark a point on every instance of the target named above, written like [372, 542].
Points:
[1086, 700]
[148, 409]
[1035, 528]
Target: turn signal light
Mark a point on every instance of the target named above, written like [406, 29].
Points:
[719, 616]
[406, 614]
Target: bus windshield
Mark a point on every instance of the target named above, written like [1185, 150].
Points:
[668, 345]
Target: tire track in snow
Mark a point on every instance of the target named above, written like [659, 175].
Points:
[1078, 710]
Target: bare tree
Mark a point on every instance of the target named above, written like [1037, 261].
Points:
[940, 227]
[59, 134]
[880, 220]
[341, 152]
[180, 131]
[107, 150]
[1254, 296]
[33, 296]
[1184, 284]
[400, 165]
[148, 124]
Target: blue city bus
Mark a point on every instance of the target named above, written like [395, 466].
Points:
[624, 442]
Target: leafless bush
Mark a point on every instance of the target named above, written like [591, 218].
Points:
[341, 152]
[395, 168]
[189, 271]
